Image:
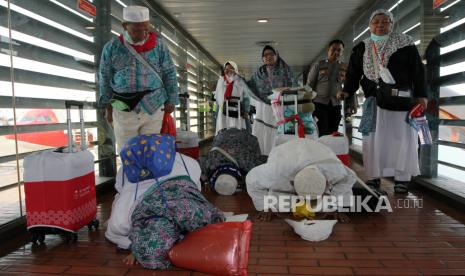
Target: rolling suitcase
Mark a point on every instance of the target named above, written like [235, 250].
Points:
[284, 132]
[187, 142]
[339, 144]
[59, 188]
[233, 110]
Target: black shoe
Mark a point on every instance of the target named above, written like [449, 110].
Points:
[401, 187]
[374, 183]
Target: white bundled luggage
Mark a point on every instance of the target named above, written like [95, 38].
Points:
[187, 142]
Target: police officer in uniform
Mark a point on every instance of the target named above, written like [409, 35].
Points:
[326, 78]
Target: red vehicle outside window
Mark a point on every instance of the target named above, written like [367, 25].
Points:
[54, 138]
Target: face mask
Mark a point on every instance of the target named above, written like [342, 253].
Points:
[230, 77]
[129, 39]
[378, 37]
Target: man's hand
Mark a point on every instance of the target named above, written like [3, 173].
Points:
[265, 216]
[341, 217]
[109, 113]
[341, 95]
[130, 260]
[169, 107]
[245, 115]
[423, 102]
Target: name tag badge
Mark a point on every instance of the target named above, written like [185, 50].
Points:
[394, 92]
[385, 75]
[405, 94]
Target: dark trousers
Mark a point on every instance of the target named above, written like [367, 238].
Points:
[328, 116]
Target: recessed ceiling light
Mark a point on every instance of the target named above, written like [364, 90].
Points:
[262, 20]
[176, 14]
[90, 28]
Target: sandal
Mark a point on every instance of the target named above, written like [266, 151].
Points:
[401, 187]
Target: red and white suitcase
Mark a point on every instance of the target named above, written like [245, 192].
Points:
[59, 186]
[187, 142]
[339, 143]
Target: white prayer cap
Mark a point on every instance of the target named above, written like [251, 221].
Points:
[233, 64]
[382, 11]
[312, 230]
[226, 184]
[135, 14]
[310, 182]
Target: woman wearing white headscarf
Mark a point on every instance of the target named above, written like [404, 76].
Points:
[388, 62]
[231, 85]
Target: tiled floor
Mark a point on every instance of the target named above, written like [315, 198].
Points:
[415, 241]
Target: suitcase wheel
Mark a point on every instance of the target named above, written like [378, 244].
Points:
[93, 224]
[42, 238]
[37, 237]
[71, 237]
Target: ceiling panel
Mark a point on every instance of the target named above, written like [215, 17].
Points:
[229, 29]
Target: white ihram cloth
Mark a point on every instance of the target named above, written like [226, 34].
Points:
[119, 223]
[312, 230]
[264, 126]
[286, 160]
[392, 150]
[130, 124]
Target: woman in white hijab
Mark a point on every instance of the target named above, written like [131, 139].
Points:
[231, 85]
[387, 62]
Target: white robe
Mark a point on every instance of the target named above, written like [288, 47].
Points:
[392, 150]
[240, 90]
[286, 160]
[126, 199]
[264, 126]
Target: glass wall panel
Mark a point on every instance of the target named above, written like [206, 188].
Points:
[10, 206]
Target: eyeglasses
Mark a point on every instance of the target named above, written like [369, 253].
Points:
[376, 22]
[269, 55]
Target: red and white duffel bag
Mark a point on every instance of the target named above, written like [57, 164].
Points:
[187, 142]
[339, 143]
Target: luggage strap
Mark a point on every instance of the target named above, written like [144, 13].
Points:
[225, 154]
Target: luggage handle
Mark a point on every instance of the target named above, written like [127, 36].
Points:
[296, 110]
[184, 96]
[289, 92]
[239, 101]
[80, 105]
[343, 108]
[234, 98]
